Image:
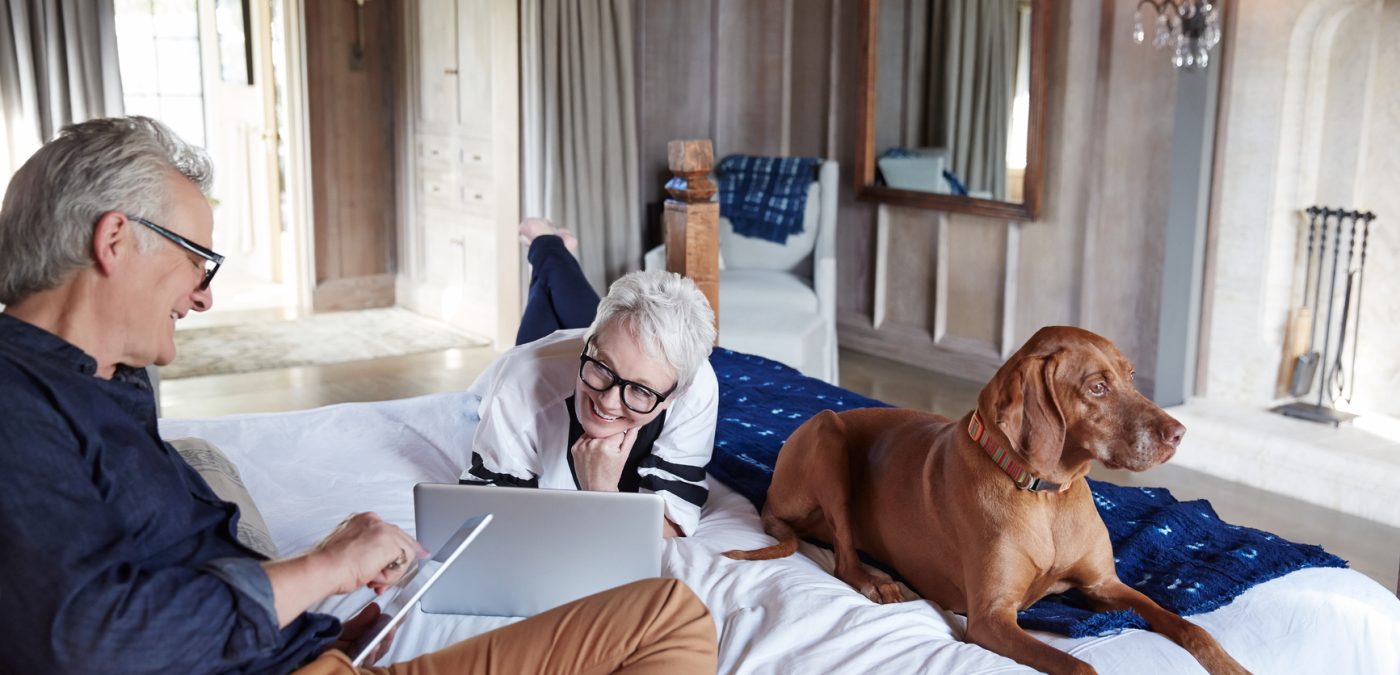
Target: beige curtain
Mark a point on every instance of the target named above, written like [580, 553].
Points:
[58, 64]
[580, 129]
[972, 80]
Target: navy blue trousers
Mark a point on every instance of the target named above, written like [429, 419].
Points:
[560, 296]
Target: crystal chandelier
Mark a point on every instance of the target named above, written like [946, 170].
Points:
[1190, 27]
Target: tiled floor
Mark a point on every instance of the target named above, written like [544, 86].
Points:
[1372, 548]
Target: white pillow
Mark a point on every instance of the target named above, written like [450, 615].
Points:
[223, 478]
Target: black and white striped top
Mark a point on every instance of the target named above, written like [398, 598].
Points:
[528, 425]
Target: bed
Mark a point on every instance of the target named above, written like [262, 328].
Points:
[307, 470]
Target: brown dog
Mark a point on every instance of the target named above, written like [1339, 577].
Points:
[988, 518]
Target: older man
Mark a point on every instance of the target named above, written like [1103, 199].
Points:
[117, 557]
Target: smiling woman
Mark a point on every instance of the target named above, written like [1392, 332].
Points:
[627, 405]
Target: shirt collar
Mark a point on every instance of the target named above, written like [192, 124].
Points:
[31, 339]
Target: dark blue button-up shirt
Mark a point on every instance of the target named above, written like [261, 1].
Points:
[115, 556]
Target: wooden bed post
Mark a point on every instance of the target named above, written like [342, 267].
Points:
[691, 219]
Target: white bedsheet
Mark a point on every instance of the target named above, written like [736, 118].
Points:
[308, 470]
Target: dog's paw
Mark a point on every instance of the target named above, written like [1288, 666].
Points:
[882, 592]
[889, 593]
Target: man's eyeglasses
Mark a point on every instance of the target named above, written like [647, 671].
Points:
[212, 260]
[638, 398]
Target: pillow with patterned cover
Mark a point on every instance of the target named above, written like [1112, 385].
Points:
[223, 478]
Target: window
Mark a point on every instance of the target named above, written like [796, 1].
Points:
[158, 48]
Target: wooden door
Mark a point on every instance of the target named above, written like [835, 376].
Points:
[353, 121]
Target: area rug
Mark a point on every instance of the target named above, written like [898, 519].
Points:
[319, 339]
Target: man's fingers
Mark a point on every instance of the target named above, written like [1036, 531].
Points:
[410, 547]
[388, 577]
[358, 623]
[383, 578]
[383, 647]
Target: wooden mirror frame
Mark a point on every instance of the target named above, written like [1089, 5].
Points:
[1029, 208]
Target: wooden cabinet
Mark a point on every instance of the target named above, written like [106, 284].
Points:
[474, 48]
[458, 253]
[454, 68]
[462, 195]
[436, 49]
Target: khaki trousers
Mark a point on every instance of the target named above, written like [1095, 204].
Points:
[652, 626]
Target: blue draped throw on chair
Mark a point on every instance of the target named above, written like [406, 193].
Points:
[1178, 553]
[765, 197]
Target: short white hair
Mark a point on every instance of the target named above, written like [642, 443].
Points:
[667, 313]
[53, 201]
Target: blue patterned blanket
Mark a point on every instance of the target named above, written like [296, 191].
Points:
[1178, 553]
[764, 197]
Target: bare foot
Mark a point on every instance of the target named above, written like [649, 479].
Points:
[535, 227]
[570, 241]
[530, 228]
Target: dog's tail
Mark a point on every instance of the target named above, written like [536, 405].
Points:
[778, 529]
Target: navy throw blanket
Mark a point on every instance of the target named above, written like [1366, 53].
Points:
[1178, 553]
[765, 197]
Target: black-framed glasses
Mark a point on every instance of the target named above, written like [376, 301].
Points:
[212, 260]
[638, 398]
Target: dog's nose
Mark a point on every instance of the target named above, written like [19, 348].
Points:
[1172, 433]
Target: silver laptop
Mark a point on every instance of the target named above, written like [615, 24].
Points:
[545, 548]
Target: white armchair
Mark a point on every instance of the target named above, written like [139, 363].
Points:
[779, 300]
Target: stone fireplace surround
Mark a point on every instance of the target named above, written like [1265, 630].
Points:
[1309, 116]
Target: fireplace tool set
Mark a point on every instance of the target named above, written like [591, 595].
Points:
[1331, 372]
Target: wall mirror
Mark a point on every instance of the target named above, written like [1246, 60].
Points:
[953, 105]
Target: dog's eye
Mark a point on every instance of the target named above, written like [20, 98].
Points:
[1099, 389]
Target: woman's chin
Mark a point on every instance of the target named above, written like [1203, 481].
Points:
[597, 427]
[599, 430]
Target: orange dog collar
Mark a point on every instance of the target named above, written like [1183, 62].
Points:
[1005, 460]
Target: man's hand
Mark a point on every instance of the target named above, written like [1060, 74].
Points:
[354, 629]
[598, 461]
[365, 550]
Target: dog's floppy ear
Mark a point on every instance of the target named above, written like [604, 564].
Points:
[1020, 401]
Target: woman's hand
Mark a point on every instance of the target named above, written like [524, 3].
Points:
[354, 629]
[365, 550]
[599, 461]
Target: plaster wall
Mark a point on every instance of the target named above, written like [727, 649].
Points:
[1308, 121]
